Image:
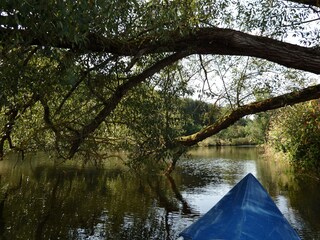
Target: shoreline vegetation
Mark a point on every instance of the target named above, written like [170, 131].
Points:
[214, 142]
[273, 155]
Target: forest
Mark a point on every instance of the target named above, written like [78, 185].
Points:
[152, 78]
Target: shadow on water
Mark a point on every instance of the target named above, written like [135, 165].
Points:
[39, 200]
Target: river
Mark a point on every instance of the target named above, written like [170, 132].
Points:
[40, 199]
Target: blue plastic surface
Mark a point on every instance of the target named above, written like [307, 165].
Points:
[245, 212]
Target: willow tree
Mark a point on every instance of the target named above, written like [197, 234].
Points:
[76, 63]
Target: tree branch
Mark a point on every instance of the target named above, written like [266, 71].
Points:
[252, 108]
[198, 41]
[118, 95]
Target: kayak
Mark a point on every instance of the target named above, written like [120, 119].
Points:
[246, 212]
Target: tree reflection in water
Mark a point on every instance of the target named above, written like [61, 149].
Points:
[68, 202]
[41, 201]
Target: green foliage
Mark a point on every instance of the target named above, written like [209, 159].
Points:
[247, 131]
[257, 128]
[70, 20]
[198, 114]
[53, 94]
[235, 134]
[296, 131]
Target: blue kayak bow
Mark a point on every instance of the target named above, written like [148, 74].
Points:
[246, 212]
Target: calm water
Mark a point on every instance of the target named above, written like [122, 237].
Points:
[39, 200]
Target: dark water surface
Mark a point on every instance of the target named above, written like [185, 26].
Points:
[39, 200]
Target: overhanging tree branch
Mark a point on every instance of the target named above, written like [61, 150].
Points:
[292, 98]
[177, 43]
[198, 41]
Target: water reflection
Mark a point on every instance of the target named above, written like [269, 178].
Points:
[296, 195]
[39, 200]
[69, 202]
[209, 173]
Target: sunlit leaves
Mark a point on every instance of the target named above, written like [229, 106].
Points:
[74, 84]
[296, 132]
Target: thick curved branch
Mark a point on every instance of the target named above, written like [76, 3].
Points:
[256, 107]
[198, 41]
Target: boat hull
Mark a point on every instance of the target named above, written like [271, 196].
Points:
[246, 212]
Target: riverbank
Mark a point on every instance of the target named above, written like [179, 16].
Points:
[270, 154]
